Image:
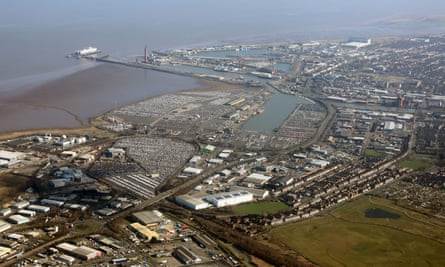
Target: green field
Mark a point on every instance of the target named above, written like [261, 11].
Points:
[259, 207]
[345, 237]
[415, 164]
[374, 153]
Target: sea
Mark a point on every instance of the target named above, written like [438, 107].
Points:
[41, 88]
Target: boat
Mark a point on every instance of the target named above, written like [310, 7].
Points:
[87, 51]
[260, 111]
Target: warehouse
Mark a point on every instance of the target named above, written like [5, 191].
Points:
[5, 212]
[4, 251]
[318, 163]
[229, 198]
[106, 212]
[143, 232]
[8, 158]
[4, 226]
[82, 252]
[192, 171]
[20, 205]
[27, 213]
[186, 256]
[38, 208]
[191, 202]
[18, 219]
[56, 183]
[256, 179]
[148, 217]
[257, 193]
[51, 202]
[65, 259]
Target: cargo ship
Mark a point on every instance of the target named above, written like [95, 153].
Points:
[86, 52]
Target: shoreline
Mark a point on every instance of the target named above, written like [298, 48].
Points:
[70, 101]
[94, 121]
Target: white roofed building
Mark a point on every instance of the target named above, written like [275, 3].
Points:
[256, 179]
[229, 198]
[191, 202]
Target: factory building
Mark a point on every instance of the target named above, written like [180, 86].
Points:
[114, 152]
[192, 171]
[318, 163]
[4, 226]
[143, 232]
[20, 205]
[229, 198]
[204, 241]
[149, 217]
[51, 202]
[5, 212]
[257, 193]
[8, 158]
[80, 252]
[195, 160]
[191, 202]
[256, 179]
[27, 213]
[4, 251]
[38, 208]
[186, 256]
[18, 219]
[106, 212]
[68, 260]
[57, 183]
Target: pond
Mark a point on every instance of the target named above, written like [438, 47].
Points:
[380, 214]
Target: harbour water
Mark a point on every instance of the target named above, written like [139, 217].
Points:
[276, 111]
[40, 88]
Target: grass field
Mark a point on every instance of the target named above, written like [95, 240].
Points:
[415, 164]
[374, 153]
[345, 237]
[259, 207]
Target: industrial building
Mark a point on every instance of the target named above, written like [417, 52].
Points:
[204, 241]
[80, 252]
[9, 158]
[186, 256]
[259, 194]
[229, 198]
[20, 205]
[318, 163]
[107, 241]
[38, 208]
[106, 212]
[256, 179]
[357, 43]
[57, 183]
[51, 202]
[114, 152]
[4, 226]
[27, 213]
[65, 259]
[143, 232]
[149, 217]
[4, 251]
[18, 219]
[191, 202]
[192, 171]
[5, 212]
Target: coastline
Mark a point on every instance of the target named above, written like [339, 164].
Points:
[70, 101]
[89, 126]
